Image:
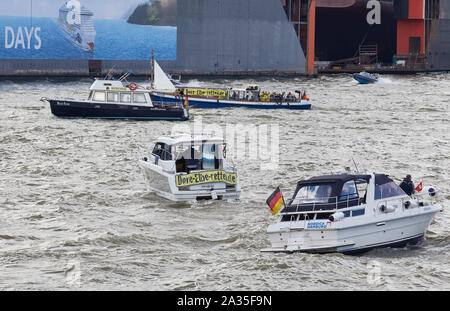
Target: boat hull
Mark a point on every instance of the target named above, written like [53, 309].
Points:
[198, 102]
[77, 109]
[351, 239]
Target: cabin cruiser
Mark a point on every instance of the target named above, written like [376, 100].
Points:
[189, 168]
[77, 25]
[365, 78]
[349, 214]
[119, 99]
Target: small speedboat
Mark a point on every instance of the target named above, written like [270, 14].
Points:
[365, 78]
[119, 99]
[349, 214]
[189, 168]
[175, 79]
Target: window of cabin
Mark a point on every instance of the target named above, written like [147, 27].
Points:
[313, 194]
[125, 97]
[139, 98]
[113, 96]
[349, 191]
[163, 151]
[388, 190]
[100, 96]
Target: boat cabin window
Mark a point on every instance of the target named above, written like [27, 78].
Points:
[313, 194]
[125, 97]
[99, 96]
[348, 191]
[113, 97]
[139, 98]
[198, 157]
[163, 151]
[388, 190]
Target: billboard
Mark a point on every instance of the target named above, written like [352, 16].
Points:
[88, 29]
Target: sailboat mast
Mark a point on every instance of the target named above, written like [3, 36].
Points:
[152, 71]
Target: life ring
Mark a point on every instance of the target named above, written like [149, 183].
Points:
[132, 86]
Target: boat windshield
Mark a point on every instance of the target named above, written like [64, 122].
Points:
[388, 190]
[313, 194]
[206, 156]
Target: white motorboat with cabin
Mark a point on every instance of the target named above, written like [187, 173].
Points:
[119, 99]
[189, 168]
[351, 214]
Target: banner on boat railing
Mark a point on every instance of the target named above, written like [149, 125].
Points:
[205, 177]
[201, 92]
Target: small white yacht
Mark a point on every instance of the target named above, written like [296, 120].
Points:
[351, 214]
[189, 168]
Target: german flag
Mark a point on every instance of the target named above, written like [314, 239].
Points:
[275, 201]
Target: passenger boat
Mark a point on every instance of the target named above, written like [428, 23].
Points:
[365, 78]
[249, 97]
[119, 99]
[189, 168]
[78, 28]
[348, 214]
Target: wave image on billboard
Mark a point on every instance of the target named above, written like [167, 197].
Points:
[88, 29]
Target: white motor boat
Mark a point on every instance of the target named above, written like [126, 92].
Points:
[351, 214]
[189, 168]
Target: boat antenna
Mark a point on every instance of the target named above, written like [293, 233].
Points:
[110, 72]
[152, 70]
[356, 167]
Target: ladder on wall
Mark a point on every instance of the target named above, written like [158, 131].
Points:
[368, 52]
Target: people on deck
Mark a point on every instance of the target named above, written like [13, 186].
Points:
[407, 185]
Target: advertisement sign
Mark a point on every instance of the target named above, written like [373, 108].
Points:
[88, 29]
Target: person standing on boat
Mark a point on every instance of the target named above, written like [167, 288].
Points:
[407, 185]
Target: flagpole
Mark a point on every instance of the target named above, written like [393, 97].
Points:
[354, 163]
[284, 202]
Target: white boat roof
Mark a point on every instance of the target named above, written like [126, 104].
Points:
[185, 138]
[115, 85]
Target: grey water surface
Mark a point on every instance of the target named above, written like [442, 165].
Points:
[75, 213]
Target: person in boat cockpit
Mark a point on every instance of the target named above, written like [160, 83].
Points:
[407, 185]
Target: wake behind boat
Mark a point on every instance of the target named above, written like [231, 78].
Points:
[350, 214]
[110, 99]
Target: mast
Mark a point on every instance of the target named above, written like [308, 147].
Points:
[152, 71]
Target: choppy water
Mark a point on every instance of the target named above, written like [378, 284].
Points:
[75, 213]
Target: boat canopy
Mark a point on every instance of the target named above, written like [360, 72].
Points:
[190, 139]
[326, 193]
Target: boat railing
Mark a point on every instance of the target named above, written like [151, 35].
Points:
[323, 205]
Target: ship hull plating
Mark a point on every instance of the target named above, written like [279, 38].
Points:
[74, 109]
